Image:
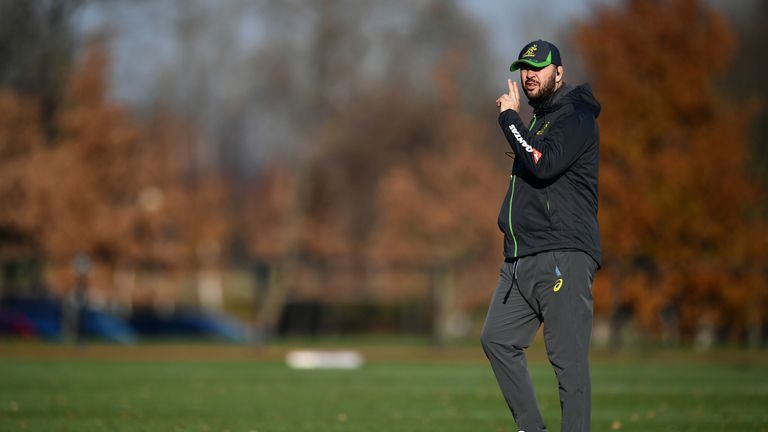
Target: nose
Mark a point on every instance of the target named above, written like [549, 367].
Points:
[527, 73]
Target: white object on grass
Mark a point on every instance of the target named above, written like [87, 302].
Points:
[310, 359]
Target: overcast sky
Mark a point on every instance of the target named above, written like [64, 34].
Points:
[147, 48]
[144, 29]
[511, 24]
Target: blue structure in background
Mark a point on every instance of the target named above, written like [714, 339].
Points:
[43, 319]
[189, 323]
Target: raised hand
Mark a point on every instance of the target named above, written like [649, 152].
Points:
[509, 100]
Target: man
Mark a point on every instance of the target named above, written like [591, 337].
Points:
[551, 240]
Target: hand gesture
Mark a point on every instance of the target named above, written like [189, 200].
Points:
[509, 100]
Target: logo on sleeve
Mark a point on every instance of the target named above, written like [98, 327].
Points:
[536, 154]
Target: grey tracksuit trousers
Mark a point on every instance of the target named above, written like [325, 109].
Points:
[553, 288]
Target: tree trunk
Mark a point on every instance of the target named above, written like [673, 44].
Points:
[272, 290]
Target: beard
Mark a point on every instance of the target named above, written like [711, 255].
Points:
[545, 89]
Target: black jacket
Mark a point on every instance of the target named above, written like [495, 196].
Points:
[551, 202]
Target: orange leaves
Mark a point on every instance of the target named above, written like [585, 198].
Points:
[272, 215]
[675, 192]
[102, 184]
[21, 139]
[442, 205]
[396, 183]
[86, 176]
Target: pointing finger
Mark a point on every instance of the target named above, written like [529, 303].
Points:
[510, 84]
[514, 91]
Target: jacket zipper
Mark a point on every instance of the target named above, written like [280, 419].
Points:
[511, 231]
[512, 195]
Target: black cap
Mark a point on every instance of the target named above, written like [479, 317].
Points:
[538, 54]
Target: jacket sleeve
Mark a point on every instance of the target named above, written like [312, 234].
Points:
[548, 155]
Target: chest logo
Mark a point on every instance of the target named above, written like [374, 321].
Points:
[543, 128]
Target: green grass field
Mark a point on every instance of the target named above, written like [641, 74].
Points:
[121, 392]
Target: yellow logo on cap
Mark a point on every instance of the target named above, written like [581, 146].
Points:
[558, 285]
[531, 52]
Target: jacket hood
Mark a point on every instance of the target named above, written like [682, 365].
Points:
[568, 95]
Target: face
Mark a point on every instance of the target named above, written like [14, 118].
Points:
[539, 83]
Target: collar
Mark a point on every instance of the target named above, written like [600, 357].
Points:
[541, 106]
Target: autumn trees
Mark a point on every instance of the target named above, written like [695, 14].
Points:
[371, 190]
[396, 179]
[379, 166]
[101, 185]
[684, 236]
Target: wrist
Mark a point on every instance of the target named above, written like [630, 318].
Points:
[507, 116]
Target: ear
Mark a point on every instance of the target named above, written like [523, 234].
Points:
[559, 71]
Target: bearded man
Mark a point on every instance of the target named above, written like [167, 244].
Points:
[551, 240]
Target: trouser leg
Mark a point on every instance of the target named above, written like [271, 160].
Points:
[566, 307]
[509, 329]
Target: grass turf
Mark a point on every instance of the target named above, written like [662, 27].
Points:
[99, 395]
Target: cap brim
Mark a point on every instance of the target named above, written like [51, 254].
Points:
[519, 63]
